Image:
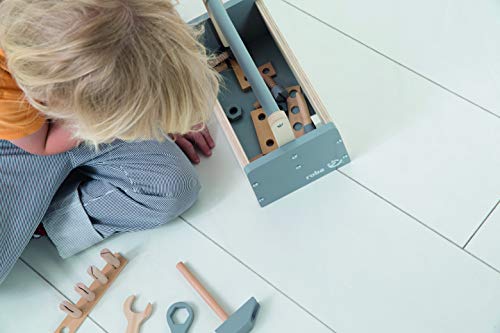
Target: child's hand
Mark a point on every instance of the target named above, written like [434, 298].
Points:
[196, 139]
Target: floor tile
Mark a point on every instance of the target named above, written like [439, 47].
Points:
[486, 242]
[28, 304]
[152, 276]
[425, 150]
[348, 257]
[452, 43]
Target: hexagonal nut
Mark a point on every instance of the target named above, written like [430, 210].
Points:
[234, 112]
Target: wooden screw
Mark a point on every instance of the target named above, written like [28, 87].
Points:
[70, 309]
[85, 292]
[97, 275]
[110, 258]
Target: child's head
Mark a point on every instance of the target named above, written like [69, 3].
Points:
[126, 69]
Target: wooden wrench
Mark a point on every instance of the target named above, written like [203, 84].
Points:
[135, 319]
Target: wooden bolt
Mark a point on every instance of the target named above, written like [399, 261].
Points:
[97, 275]
[70, 309]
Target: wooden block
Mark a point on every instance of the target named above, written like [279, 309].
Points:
[298, 112]
[267, 69]
[72, 324]
[265, 136]
[221, 67]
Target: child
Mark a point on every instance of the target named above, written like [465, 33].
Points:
[114, 74]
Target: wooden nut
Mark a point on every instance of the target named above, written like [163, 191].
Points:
[97, 275]
[70, 309]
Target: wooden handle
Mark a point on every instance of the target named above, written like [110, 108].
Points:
[281, 128]
[202, 291]
[133, 327]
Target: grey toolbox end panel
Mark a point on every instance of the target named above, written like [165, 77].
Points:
[296, 164]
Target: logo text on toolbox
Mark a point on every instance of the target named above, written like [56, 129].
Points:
[330, 165]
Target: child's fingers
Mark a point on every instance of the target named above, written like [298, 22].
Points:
[208, 138]
[200, 142]
[188, 149]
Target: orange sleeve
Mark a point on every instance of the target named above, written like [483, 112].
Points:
[18, 118]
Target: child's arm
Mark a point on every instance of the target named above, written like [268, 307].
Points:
[51, 139]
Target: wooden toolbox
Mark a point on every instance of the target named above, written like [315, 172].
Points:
[314, 153]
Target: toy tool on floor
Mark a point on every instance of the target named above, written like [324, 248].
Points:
[76, 314]
[135, 319]
[178, 327]
[242, 321]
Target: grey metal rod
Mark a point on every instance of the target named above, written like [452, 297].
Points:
[244, 59]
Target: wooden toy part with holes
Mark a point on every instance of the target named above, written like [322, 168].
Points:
[90, 296]
[265, 136]
[266, 69]
[298, 112]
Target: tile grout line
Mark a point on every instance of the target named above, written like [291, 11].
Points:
[391, 59]
[59, 291]
[300, 306]
[481, 224]
[418, 221]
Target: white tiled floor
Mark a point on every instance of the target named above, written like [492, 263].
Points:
[448, 42]
[485, 243]
[377, 247]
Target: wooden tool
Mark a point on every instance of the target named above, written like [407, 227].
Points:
[266, 69]
[90, 296]
[267, 142]
[298, 112]
[135, 319]
[241, 321]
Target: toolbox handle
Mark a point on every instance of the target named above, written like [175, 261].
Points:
[280, 125]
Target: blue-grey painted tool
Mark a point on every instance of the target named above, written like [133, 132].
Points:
[180, 328]
[242, 321]
[277, 118]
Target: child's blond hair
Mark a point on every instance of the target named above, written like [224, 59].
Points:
[117, 69]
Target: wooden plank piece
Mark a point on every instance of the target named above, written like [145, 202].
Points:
[266, 69]
[265, 136]
[72, 324]
[298, 112]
